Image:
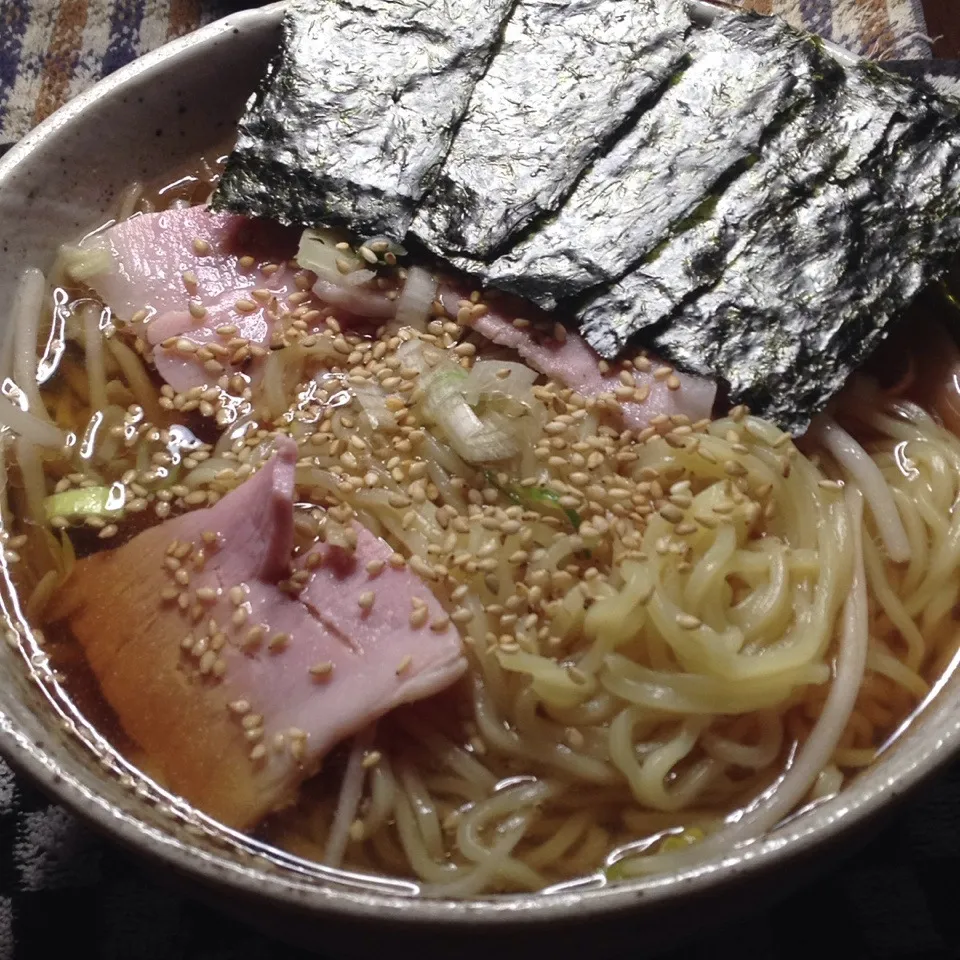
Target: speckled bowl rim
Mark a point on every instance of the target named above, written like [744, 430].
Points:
[884, 782]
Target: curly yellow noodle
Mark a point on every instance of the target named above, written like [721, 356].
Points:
[755, 756]
[424, 810]
[884, 594]
[382, 798]
[672, 688]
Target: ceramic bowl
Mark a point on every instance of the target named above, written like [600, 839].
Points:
[139, 123]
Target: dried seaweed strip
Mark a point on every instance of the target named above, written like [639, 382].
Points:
[745, 73]
[357, 112]
[816, 291]
[566, 76]
[828, 138]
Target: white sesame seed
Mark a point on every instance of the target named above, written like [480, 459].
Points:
[322, 670]
[252, 720]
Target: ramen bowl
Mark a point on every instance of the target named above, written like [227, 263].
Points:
[145, 120]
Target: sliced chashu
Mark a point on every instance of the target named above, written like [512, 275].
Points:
[235, 724]
[216, 280]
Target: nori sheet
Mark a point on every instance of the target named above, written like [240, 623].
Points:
[356, 114]
[793, 160]
[758, 219]
[743, 75]
[566, 76]
[813, 292]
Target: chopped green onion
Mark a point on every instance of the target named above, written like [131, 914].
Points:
[416, 299]
[615, 872]
[489, 378]
[81, 263]
[679, 841]
[534, 497]
[318, 251]
[476, 440]
[949, 295]
[386, 251]
[86, 502]
[372, 399]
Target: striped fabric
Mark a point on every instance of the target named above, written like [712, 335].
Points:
[879, 29]
[50, 50]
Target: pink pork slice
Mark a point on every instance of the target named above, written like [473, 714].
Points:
[574, 363]
[156, 257]
[235, 724]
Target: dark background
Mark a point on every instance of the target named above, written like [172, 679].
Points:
[898, 899]
[943, 23]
